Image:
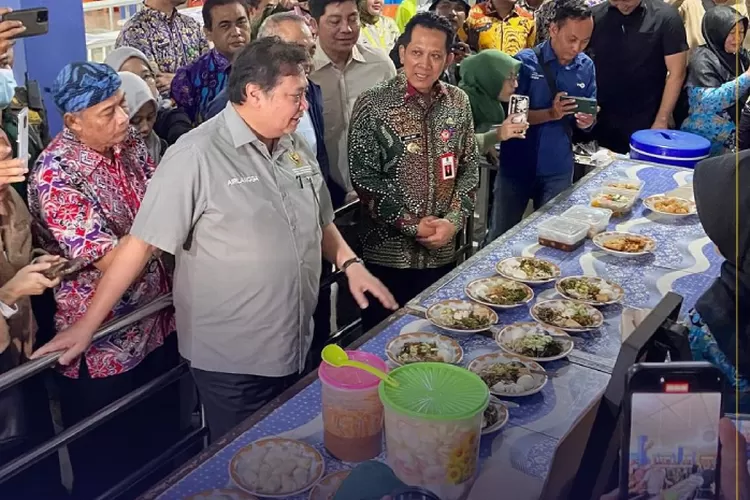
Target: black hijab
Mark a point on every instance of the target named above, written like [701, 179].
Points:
[722, 190]
[710, 65]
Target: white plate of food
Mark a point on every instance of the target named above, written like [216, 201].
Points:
[499, 292]
[421, 347]
[529, 270]
[276, 467]
[591, 290]
[495, 417]
[509, 376]
[328, 486]
[567, 315]
[534, 341]
[624, 244]
[670, 206]
[222, 494]
[461, 316]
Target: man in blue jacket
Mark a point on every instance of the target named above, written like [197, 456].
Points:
[294, 29]
[540, 167]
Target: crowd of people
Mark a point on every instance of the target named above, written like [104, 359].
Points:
[209, 161]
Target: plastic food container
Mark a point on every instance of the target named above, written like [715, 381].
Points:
[669, 147]
[630, 186]
[433, 422]
[563, 234]
[596, 218]
[352, 411]
[618, 200]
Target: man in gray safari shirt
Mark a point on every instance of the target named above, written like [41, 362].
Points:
[241, 203]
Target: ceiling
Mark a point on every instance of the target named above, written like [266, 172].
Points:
[673, 420]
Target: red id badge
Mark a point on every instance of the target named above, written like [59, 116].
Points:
[448, 166]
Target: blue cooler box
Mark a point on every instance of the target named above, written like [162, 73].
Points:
[669, 147]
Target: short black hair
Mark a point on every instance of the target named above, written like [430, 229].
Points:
[264, 62]
[208, 6]
[564, 10]
[464, 6]
[318, 7]
[430, 21]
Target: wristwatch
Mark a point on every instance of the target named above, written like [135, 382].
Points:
[354, 260]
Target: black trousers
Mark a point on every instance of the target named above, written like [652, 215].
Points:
[117, 448]
[404, 284]
[230, 398]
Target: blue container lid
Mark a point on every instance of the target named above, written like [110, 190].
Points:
[670, 144]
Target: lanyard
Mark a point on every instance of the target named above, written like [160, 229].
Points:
[381, 35]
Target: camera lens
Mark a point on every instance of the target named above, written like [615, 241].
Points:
[42, 16]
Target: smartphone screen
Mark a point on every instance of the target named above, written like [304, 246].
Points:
[518, 108]
[673, 447]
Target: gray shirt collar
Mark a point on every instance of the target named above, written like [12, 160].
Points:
[242, 134]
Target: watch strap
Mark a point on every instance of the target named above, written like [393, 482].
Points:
[354, 260]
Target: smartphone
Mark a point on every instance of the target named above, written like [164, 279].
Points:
[35, 20]
[670, 445]
[23, 135]
[63, 269]
[519, 105]
[585, 105]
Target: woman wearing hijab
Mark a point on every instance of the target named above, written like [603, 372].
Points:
[720, 322]
[489, 79]
[142, 109]
[717, 70]
[378, 31]
[171, 122]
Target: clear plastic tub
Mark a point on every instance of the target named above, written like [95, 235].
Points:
[433, 423]
[619, 201]
[352, 411]
[596, 218]
[563, 234]
[625, 184]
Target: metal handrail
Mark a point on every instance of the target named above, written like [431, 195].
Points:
[35, 366]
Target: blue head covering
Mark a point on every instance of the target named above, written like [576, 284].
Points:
[81, 85]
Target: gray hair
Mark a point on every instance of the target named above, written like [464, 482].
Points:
[270, 25]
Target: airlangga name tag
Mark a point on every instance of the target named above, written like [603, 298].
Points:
[448, 166]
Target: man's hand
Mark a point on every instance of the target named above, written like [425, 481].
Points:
[733, 475]
[444, 232]
[562, 106]
[74, 341]
[584, 121]
[361, 281]
[13, 171]
[164, 82]
[660, 123]
[26, 282]
[350, 197]
[460, 52]
[424, 229]
[8, 31]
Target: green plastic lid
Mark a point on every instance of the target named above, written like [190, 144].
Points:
[435, 391]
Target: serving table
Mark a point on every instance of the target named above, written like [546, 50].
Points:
[516, 458]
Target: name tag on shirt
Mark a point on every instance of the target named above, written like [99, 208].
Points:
[448, 166]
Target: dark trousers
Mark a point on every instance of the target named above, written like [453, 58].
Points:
[230, 398]
[120, 446]
[512, 195]
[404, 284]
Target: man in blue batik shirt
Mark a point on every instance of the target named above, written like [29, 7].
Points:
[540, 166]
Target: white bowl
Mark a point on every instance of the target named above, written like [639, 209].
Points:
[651, 201]
[478, 364]
[595, 313]
[595, 279]
[517, 330]
[600, 239]
[448, 347]
[475, 288]
[508, 268]
[434, 314]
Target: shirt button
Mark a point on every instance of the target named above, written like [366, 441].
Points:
[294, 227]
[283, 195]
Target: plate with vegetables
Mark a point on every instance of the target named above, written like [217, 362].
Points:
[534, 341]
[509, 376]
[420, 347]
[494, 418]
[591, 290]
[567, 315]
[529, 270]
[499, 292]
[461, 316]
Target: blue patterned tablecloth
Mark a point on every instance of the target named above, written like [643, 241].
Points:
[522, 451]
[684, 260]
[526, 444]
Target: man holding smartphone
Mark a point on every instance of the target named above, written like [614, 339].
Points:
[540, 166]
